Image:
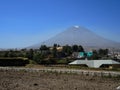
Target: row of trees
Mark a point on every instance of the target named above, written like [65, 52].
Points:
[44, 55]
[52, 55]
[100, 54]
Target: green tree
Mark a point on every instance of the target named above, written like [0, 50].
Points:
[37, 57]
[5, 54]
[80, 48]
[44, 48]
[103, 52]
[54, 51]
[29, 54]
[75, 48]
[95, 55]
[67, 50]
[11, 53]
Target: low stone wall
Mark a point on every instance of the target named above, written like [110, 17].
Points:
[67, 71]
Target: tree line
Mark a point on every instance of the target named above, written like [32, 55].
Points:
[51, 55]
[45, 54]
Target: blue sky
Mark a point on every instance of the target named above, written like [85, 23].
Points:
[27, 22]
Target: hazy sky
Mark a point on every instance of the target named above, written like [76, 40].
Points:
[27, 22]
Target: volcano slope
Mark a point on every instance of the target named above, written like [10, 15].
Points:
[79, 36]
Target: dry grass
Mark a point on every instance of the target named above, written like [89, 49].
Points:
[22, 80]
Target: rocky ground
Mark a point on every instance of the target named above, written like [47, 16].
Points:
[23, 80]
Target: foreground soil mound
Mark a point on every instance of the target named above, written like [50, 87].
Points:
[23, 80]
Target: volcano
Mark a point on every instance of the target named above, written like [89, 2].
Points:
[79, 36]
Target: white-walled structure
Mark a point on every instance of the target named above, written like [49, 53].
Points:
[94, 63]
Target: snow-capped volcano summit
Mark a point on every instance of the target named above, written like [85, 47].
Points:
[76, 26]
[80, 36]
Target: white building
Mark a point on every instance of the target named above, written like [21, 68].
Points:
[94, 63]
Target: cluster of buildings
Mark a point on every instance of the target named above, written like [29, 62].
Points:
[97, 63]
[114, 54]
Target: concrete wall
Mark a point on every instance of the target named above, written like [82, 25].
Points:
[94, 63]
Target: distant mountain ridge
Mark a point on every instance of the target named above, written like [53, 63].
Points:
[80, 36]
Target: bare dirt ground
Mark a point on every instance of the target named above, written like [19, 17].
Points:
[23, 80]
